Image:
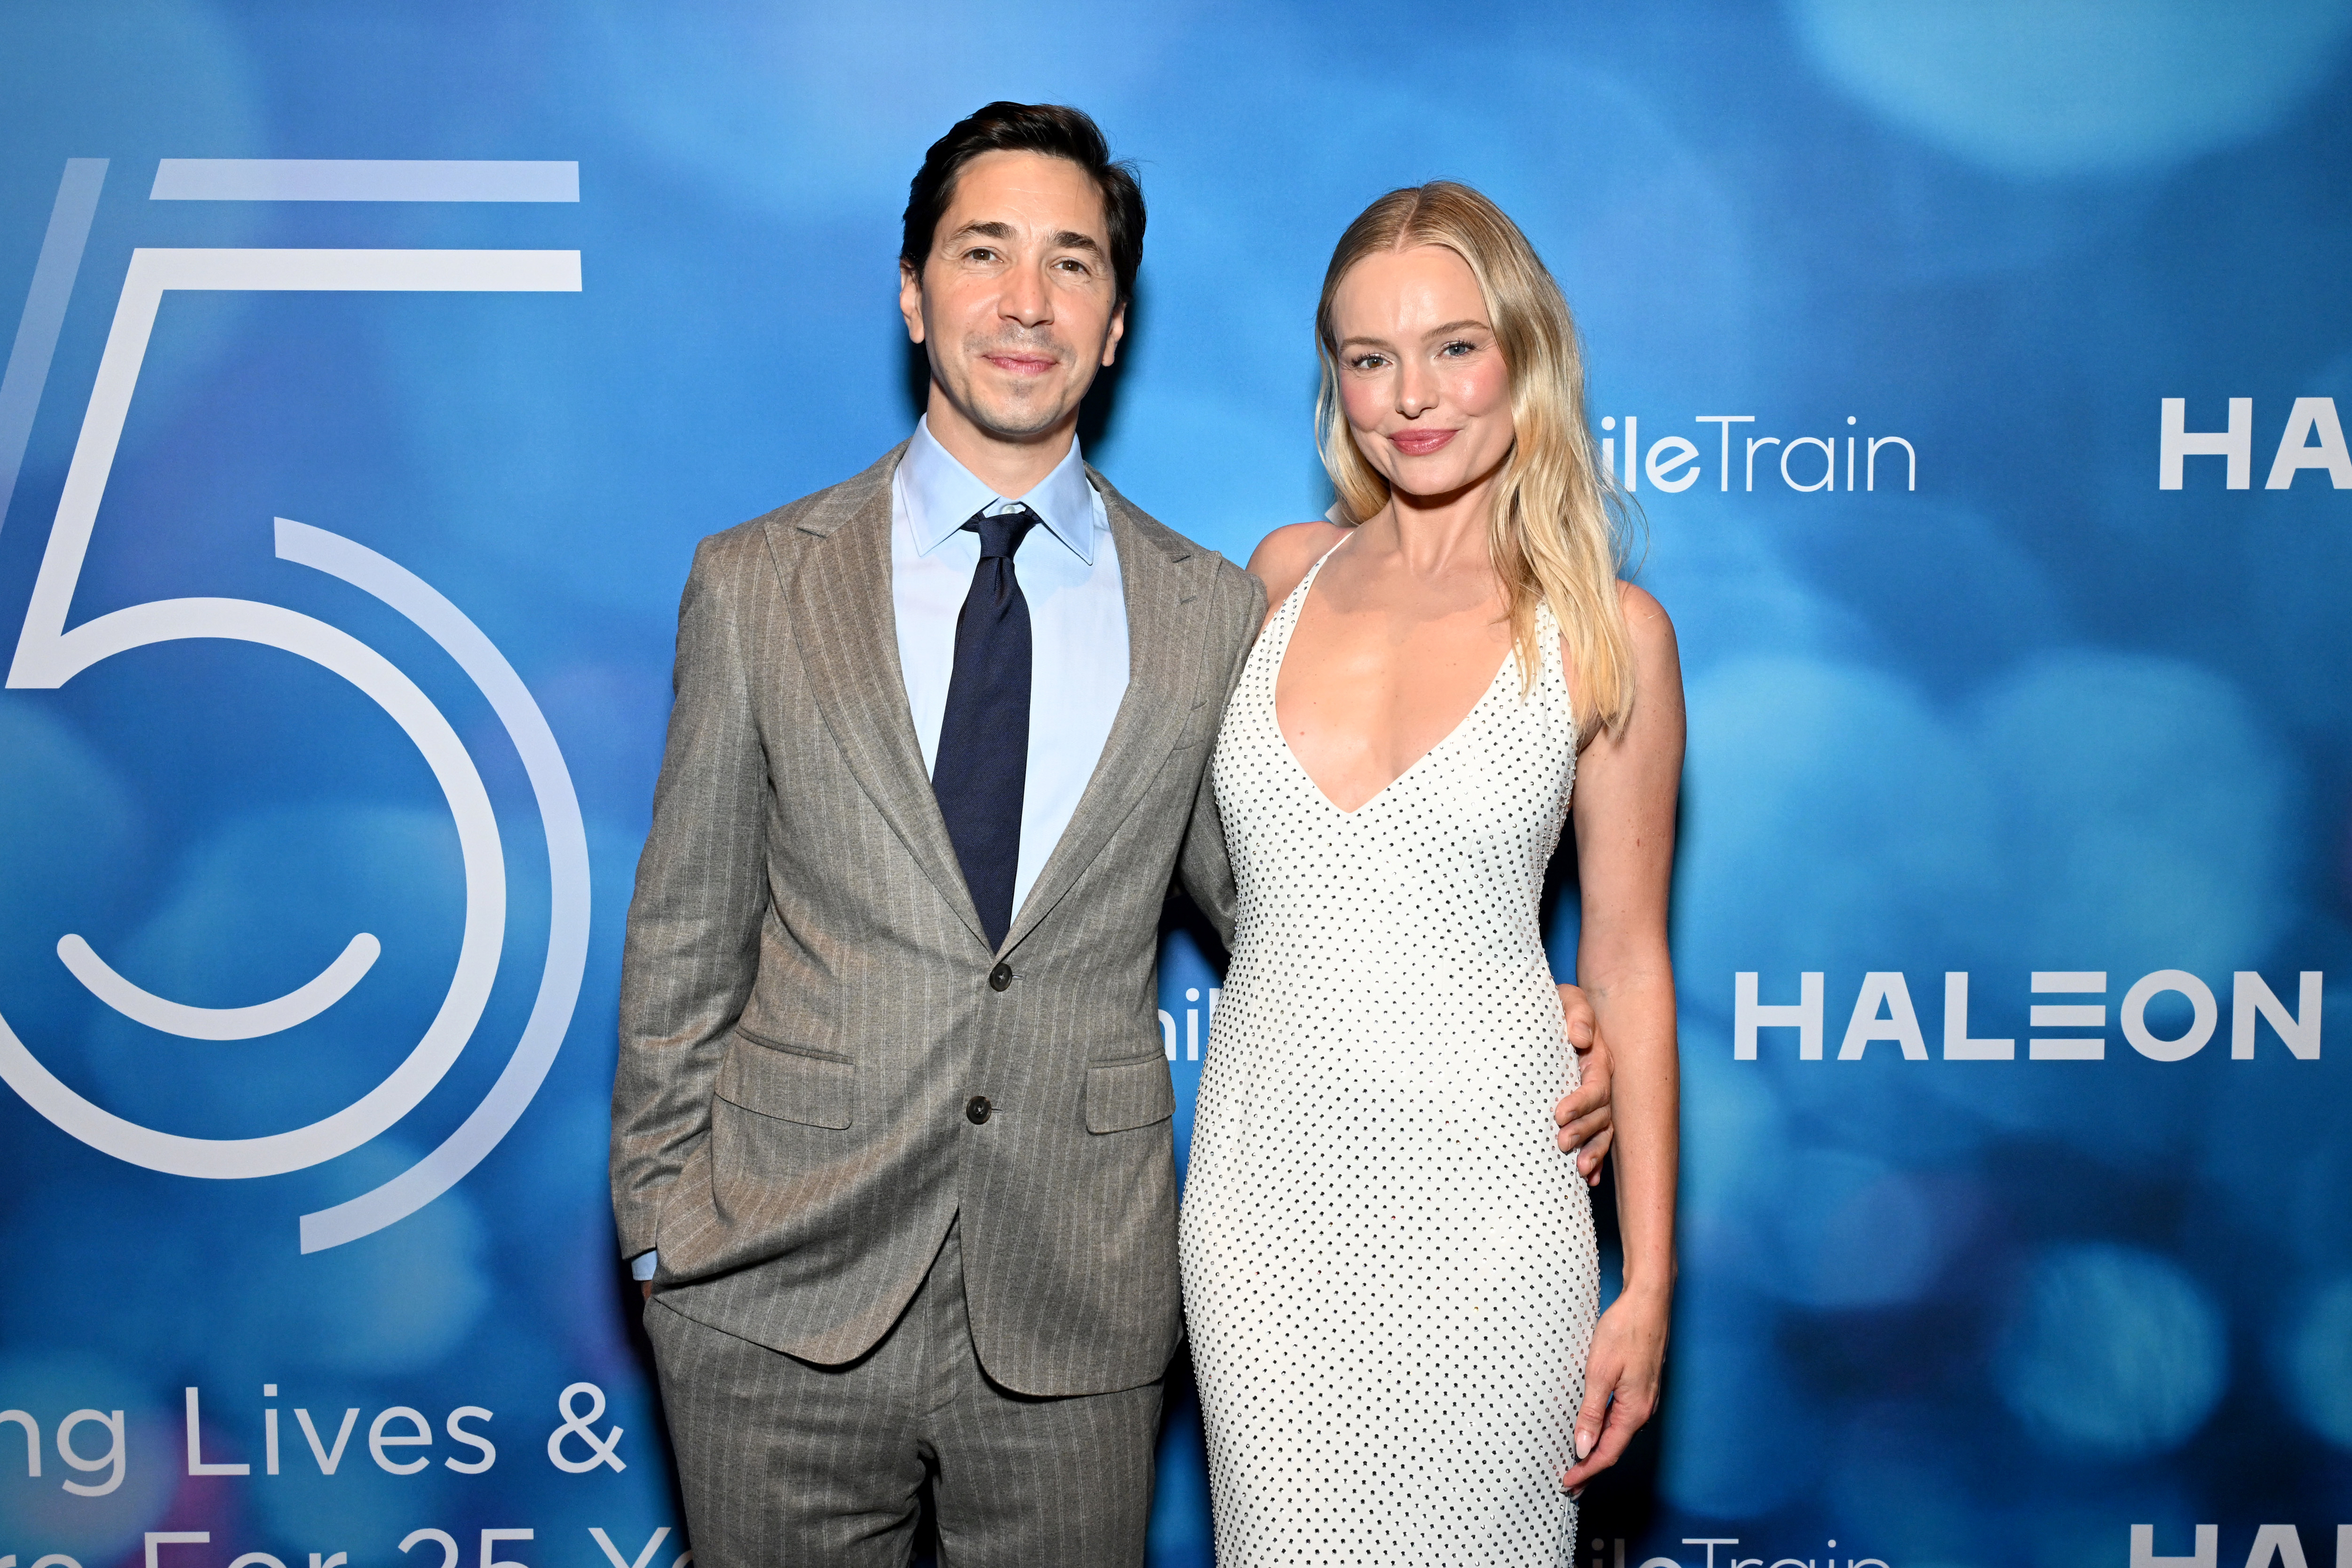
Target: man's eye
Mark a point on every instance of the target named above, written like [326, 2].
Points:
[979, 253]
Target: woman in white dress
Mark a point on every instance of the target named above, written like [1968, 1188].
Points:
[1388, 1264]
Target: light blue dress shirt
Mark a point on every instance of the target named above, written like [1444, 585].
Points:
[1077, 626]
[1078, 623]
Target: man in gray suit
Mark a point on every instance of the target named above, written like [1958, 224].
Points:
[891, 1135]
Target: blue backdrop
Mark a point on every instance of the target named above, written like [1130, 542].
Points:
[2011, 910]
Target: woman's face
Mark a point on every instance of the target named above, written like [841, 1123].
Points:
[1421, 377]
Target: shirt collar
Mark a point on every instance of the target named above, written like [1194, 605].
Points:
[943, 495]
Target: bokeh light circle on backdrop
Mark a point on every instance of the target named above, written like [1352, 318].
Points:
[2076, 86]
[2112, 1351]
[2316, 1364]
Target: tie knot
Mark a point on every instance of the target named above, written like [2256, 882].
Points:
[1001, 534]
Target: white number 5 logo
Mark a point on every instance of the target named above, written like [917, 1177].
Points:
[48, 655]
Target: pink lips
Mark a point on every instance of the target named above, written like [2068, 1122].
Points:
[1419, 443]
[1021, 364]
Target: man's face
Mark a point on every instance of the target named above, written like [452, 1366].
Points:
[1017, 302]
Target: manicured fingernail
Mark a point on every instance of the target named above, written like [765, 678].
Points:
[1583, 1446]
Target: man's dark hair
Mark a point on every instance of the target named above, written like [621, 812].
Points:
[1058, 131]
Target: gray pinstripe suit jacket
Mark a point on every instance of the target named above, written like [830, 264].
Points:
[805, 1006]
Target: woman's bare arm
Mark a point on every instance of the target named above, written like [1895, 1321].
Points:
[1626, 789]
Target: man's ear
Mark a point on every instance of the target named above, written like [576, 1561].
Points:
[1111, 339]
[910, 299]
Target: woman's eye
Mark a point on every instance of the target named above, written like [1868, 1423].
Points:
[1366, 363]
[1457, 349]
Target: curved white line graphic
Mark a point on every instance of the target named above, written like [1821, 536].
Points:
[567, 882]
[298, 1006]
[236, 620]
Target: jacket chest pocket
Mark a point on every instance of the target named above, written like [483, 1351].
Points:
[1134, 1091]
[817, 1090]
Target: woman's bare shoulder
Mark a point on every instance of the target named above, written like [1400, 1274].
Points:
[1283, 557]
[1651, 632]
[1657, 661]
[1645, 619]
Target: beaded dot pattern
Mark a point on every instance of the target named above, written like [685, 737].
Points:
[1389, 1272]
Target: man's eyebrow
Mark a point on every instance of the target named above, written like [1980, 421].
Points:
[989, 229]
[1065, 239]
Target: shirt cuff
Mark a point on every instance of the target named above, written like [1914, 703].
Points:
[643, 1265]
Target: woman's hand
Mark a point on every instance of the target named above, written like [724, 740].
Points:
[1621, 1383]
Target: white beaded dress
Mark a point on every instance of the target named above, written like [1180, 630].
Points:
[1389, 1273]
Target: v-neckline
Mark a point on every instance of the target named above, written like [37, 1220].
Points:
[1273, 701]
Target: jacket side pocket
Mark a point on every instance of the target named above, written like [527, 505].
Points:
[1134, 1091]
[788, 1083]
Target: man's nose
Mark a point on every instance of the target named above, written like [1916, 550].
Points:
[1026, 298]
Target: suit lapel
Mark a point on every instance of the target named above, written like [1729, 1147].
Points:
[845, 624]
[1160, 582]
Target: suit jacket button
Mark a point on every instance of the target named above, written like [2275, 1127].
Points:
[998, 979]
[976, 1109]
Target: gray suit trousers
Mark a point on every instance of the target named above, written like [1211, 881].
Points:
[786, 1464]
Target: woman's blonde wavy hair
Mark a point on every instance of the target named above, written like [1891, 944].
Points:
[1555, 533]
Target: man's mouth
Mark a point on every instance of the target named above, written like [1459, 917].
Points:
[1022, 365]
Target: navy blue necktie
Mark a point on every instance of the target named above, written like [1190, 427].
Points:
[983, 756]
